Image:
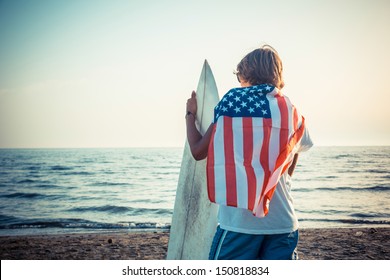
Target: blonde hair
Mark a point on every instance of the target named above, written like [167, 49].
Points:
[262, 66]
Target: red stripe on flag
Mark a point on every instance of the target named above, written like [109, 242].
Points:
[295, 119]
[285, 167]
[283, 138]
[281, 158]
[248, 154]
[267, 199]
[230, 168]
[210, 168]
[291, 144]
[264, 153]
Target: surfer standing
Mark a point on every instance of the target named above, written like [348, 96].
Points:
[252, 148]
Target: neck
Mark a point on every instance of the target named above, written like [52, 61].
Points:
[245, 84]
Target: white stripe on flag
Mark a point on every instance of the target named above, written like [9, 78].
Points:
[258, 137]
[274, 144]
[219, 164]
[241, 178]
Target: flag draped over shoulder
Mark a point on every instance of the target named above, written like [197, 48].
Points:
[256, 133]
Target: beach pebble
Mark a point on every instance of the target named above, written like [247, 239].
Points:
[109, 240]
[359, 233]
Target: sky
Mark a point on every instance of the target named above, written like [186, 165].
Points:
[118, 73]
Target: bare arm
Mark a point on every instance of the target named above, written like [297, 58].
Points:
[198, 144]
[293, 164]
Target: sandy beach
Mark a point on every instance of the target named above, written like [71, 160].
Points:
[314, 244]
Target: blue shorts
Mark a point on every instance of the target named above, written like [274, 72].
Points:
[229, 245]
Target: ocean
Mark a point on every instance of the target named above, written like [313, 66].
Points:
[49, 191]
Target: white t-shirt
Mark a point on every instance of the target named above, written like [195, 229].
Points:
[281, 217]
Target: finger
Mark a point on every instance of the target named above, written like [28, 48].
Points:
[193, 95]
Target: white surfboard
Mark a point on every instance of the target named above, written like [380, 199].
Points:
[194, 218]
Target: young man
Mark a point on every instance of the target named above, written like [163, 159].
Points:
[252, 148]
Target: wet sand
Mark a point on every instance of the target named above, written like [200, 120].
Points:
[314, 244]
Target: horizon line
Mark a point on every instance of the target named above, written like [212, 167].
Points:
[167, 147]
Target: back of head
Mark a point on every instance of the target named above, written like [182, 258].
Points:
[262, 66]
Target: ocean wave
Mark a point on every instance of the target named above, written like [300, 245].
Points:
[70, 171]
[31, 195]
[82, 224]
[342, 156]
[47, 186]
[370, 215]
[380, 171]
[315, 212]
[60, 168]
[133, 225]
[365, 222]
[105, 184]
[106, 208]
[315, 178]
[34, 167]
[5, 219]
[79, 173]
[348, 221]
[378, 188]
[26, 181]
[122, 210]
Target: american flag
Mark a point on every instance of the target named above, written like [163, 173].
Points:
[256, 133]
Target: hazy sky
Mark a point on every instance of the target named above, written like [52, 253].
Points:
[118, 73]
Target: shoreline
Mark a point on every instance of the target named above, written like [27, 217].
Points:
[359, 243]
